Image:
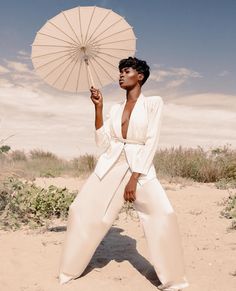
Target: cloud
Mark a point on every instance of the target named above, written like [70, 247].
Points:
[17, 66]
[3, 70]
[212, 101]
[5, 83]
[175, 83]
[40, 116]
[189, 122]
[223, 73]
[19, 74]
[172, 77]
[23, 55]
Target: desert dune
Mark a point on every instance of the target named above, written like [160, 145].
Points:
[30, 258]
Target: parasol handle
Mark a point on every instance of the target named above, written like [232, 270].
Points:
[89, 73]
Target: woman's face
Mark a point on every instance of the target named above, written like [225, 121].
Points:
[129, 78]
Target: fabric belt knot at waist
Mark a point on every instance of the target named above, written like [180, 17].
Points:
[128, 140]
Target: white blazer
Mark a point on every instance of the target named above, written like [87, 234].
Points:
[142, 136]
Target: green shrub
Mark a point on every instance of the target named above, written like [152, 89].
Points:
[226, 183]
[4, 149]
[229, 210]
[24, 203]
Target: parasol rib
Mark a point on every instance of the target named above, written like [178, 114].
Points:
[118, 32]
[104, 69]
[56, 38]
[89, 24]
[112, 56]
[107, 62]
[119, 49]
[80, 26]
[116, 41]
[58, 28]
[71, 27]
[53, 70]
[56, 52]
[99, 25]
[51, 45]
[54, 60]
[71, 71]
[108, 28]
[62, 72]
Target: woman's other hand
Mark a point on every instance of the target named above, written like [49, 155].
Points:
[96, 97]
[130, 190]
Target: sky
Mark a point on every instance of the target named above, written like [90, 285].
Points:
[189, 45]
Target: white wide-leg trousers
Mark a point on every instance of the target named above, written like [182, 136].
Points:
[98, 204]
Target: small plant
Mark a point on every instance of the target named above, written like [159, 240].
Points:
[229, 210]
[5, 149]
[128, 208]
[226, 183]
[24, 203]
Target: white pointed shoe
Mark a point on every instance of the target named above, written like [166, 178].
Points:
[170, 289]
[63, 279]
[162, 288]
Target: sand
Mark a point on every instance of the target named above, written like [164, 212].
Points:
[29, 259]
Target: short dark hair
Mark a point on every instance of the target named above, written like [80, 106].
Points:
[139, 65]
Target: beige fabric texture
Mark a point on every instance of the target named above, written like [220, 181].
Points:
[97, 206]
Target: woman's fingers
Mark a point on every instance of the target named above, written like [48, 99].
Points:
[93, 90]
[95, 93]
[129, 196]
[132, 196]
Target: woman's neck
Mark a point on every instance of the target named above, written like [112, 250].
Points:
[133, 94]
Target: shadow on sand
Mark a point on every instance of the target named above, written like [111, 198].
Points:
[121, 248]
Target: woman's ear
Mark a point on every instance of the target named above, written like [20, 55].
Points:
[140, 76]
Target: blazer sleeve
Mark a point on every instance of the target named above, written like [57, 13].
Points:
[102, 134]
[145, 154]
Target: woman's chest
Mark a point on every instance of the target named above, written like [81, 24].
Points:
[136, 126]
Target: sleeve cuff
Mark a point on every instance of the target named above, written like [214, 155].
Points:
[100, 130]
[141, 171]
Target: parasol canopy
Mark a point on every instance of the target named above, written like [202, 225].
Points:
[81, 47]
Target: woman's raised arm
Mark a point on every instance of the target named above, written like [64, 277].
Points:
[102, 129]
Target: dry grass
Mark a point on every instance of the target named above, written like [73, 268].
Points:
[213, 166]
[38, 163]
[181, 165]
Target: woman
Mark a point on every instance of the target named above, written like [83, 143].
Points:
[125, 172]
